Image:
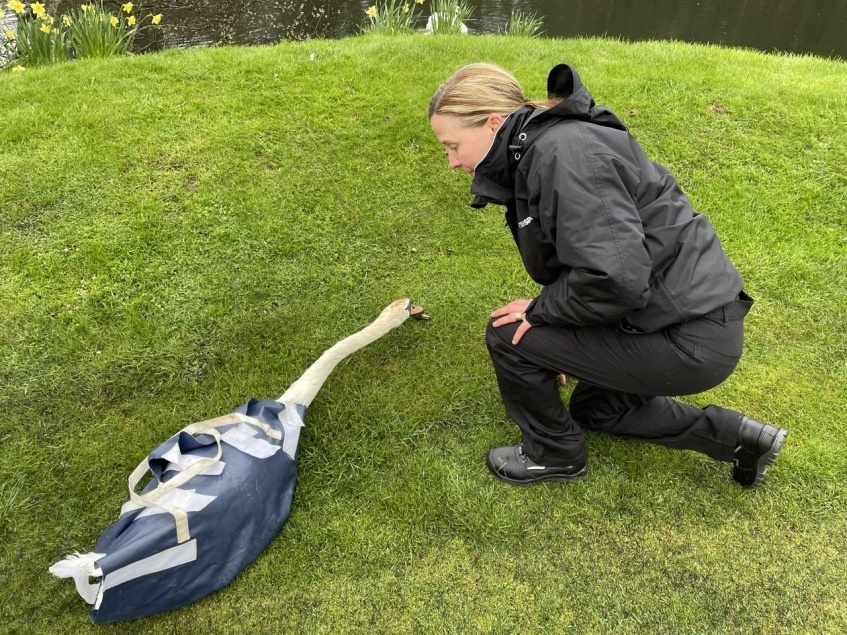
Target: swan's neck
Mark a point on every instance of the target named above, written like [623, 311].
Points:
[303, 390]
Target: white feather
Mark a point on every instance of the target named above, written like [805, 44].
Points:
[80, 567]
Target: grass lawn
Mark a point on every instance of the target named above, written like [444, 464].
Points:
[184, 230]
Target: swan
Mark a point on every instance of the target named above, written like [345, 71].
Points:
[432, 24]
[303, 390]
[221, 491]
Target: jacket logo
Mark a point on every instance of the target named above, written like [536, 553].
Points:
[525, 222]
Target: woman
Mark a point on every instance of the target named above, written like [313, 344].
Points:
[638, 299]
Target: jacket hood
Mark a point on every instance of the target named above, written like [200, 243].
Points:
[494, 176]
[563, 83]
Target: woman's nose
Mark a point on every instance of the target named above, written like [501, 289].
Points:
[454, 162]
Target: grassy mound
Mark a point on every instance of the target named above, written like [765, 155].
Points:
[185, 230]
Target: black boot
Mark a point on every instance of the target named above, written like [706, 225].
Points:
[758, 445]
[510, 464]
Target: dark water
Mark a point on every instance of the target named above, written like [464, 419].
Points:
[818, 27]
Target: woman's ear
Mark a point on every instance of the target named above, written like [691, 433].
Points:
[495, 120]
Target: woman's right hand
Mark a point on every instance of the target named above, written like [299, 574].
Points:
[513, 312]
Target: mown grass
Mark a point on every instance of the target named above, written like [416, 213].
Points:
[184, 230]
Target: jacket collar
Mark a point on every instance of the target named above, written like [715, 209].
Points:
[494, 177]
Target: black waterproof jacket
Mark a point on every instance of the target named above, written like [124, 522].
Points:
[607, 232]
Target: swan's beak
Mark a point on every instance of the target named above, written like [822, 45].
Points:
[416, 311]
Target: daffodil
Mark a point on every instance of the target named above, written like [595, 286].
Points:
[156, 18]
[18, 69]
[130, 20]
[113, 21]
[371, 11]
[44, 28]
[37, 8]
[10, 35]
[406, 8]
[66, 20]
[127, 7]
[85, 8]
[419, 1]
[17, 6]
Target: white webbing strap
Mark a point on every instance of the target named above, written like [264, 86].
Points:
[209, 426]
[148, 499]
[233, 417]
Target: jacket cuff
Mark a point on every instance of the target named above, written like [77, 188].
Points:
[533, 320]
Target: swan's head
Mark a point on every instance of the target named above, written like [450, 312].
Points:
[399, 311]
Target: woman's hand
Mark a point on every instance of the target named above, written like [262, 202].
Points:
[513, 312]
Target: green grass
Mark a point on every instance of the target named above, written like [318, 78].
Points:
[181, 231]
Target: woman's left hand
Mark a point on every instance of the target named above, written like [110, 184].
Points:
[515, 311]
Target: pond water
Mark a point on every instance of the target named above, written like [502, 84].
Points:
[818, 27]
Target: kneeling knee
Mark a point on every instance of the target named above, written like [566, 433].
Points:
[494, 338]
[592, 415]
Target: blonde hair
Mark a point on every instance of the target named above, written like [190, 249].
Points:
[477, 90]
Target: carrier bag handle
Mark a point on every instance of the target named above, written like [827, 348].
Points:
[232, 418]
[209, 426]
[149, 499]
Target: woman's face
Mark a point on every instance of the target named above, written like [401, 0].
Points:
[466, 145]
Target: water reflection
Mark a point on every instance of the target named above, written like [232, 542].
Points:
[205, 22]
[797, 26]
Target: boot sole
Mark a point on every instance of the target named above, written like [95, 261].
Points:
[556, 478]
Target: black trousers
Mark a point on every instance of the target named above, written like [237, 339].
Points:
[625, 380]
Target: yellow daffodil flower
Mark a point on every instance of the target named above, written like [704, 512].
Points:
[44, 28]
[406, 8]
[10, 35]
[17, 6]
[85, 8]
[156, 18]
[127, 7]
[130, 20]
[419, 1]
[37, 8]
[371, 11]
[66, 20]
[113, 21]
[18, 69]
